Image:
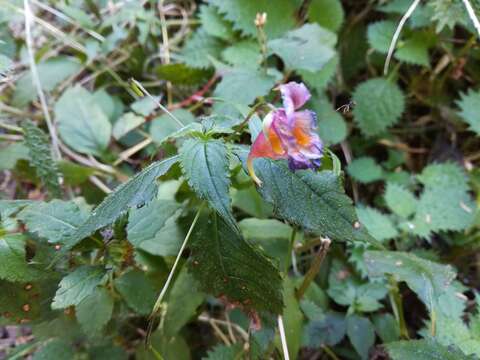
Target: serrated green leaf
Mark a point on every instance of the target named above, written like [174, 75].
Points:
[314, 200]
[163, 126]
[245, 54]
[134, 192]
[380, 34]
[426, 278]
[379, 104]
[400, 200]
[13, 260]
[224, 352]
[243, 86]
[182, 303]
[414, 49]
[51, 73]
[205, 164]
[199, 48]
[424, 350]
[77, 285]
[137, 291]
[469, 103]
[365, 170]
[57, 349]
[280, 15]
[444, 175]
[307, 48]
[225, 264]
[181, 74]
[82, 124]
[214, 24]
[327, 13]
[150, 227]
[95, 311]
[40, 155]
[361, 334]
[378, 225]
[54, 221]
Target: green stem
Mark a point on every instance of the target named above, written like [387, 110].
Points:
[314, 268]
[330, 352]
[397, 306]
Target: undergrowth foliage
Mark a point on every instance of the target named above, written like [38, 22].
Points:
[146, 238]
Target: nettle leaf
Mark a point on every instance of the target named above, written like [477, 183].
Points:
[365, 170]
[205, 164]
[307, 48]
[40, 154]
[199, 48]
[244, 54]
[54, 221]
[361, 333]
[77, 285]
[314, 200]
[469, 103]
[82, 124]
[51, 73]
[426, 278]
[95, 311]
[400, 200]
[281, 15]
[182, 303]
[379, 104]
[214, 24]
[424, 350]
[378, 225]
[13, 260]
[152, 227]
[135, 191]
[226, 265]
[243, 86]
[137, 291]
[380, 34]
[414, 49]
[445, 175]
[327, 13]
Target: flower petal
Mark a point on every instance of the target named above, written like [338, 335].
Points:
[294, 96]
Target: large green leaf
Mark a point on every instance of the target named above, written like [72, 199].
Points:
[400, 200]
[226, 265]
[13, 260]
[214, 24]
[137, 291]
[327, 13]
[82, 124]
[40, 153]
[54, 221]
[427, 279]
[307, 48]
[361, 333]
[314, 200]
[379, 104]
[378, 225]
[94, 312]
[77, 285]
[134, 192]
[424, 350]
[205, 165]
[280, 15]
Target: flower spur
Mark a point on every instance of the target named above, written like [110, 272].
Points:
[288, 133]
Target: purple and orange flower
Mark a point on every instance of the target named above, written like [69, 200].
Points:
[288, 133]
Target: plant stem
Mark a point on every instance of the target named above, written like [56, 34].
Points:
[283, 338]
[397, 306]
[314, 268]
[329, 352]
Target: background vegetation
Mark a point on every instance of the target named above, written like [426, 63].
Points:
[148, 108]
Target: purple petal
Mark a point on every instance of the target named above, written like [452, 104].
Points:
[294, 96]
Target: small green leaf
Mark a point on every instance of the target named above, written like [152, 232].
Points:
[380, 34]
[126, 123]
[332, 128]
[314, 200]
[224, 352]
[57, 349]
[225, 264]
[361, 334]
[77, 285]
[199, 48]
[414, 49]
[445, 175]
[307, 48]
[182, 303]
[424, 350]
[54, 221]
[40, 153]
[214, 24]
[95, 311]
[82, 124]
[426, 278]
[163, 126]
[379, 104]
[137, 291]
[328, 330]
[327, 13]
[206, 166]
[386, 327]
[365, 170]
[469, 104]
[378, 225]
[10, 154]
[181, 74]
[134, 192]
[244, 54]
[400, 200]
